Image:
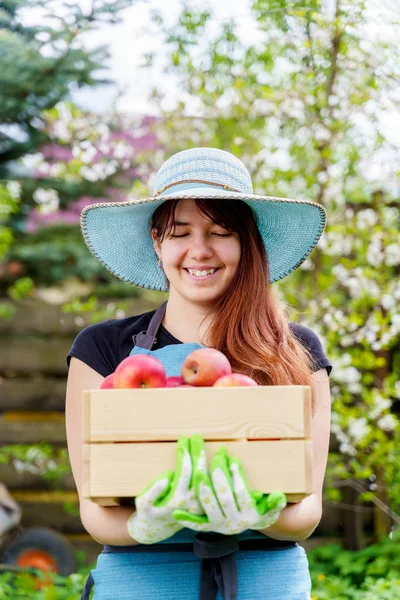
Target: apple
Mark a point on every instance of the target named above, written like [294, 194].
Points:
[140, 371]
[108, 382]
[234, 380]
[174, 381]
[204, 366]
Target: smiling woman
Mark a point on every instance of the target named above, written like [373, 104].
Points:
[216, 248]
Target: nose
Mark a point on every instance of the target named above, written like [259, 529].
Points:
[200, 248]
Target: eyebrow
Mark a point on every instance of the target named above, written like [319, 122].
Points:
[181, 223]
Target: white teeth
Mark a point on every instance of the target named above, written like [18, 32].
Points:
[201, 273]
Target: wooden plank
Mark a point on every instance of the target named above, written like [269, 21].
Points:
[124, 469]
[46, 509]
[32, 393]
[27, 354]
[35, 316]
[32, 428]
[22, 479]
[164, 414]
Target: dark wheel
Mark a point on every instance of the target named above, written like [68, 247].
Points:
[41, 548]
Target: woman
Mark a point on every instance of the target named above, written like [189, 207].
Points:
[215, 247]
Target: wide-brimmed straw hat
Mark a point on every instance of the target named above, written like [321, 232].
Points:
[118, 234]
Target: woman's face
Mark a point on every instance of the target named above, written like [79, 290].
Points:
[199, 258]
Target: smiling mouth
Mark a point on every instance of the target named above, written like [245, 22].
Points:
[201, 274]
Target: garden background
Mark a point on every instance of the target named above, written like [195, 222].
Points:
[307, 94]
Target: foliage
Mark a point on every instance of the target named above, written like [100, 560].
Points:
[335, 573]
[38, 586]
[40, 64]
[302, 104]
[52, 154]
[368, 574]
[42, 459]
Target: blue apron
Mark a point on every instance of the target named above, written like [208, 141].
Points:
[218, 571]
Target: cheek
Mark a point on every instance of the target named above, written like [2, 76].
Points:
[232, 253]
[172, 254]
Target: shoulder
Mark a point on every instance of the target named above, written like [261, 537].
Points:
[310, 340]
[103, 345]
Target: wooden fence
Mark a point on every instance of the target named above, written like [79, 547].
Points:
[33, 372]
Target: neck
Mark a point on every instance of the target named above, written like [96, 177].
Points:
[186, 321]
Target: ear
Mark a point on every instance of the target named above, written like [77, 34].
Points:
[156, 243]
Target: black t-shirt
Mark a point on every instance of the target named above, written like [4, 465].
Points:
[104, 345]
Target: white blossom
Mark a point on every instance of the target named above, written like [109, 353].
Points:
[14, 189]
[47, 199]
[366, 218]
[375, 255]
[387, 422]
[358, 428]
[392, 253]
[379, 405]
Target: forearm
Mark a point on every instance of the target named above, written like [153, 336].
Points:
[108, 524]
[297, 521]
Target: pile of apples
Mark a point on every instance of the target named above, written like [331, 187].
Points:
[204, 367]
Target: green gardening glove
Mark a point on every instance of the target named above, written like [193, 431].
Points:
[230, 508]
[153, 521]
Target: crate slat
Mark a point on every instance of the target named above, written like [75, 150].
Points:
[164, 414]
[123, 470]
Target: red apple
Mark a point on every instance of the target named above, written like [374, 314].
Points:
[174, 381]
[108, 382]
[234, 380]
[140, 371]
[204, 366]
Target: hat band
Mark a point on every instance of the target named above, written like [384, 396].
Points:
[221, 185]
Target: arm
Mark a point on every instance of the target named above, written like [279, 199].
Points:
[298, 521]
[107, 525]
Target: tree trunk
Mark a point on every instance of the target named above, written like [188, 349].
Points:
[353, 530]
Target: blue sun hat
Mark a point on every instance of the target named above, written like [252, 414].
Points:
[118, 234]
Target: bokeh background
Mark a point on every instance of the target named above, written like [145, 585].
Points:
[94, 96]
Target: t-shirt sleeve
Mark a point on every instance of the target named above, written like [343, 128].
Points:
[97, 347]
[311, 341]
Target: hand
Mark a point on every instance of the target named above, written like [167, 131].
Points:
[229, 505]
[153, 520]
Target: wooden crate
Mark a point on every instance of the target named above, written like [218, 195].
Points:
[129, 436]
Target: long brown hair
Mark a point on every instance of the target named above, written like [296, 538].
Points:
[250, 324]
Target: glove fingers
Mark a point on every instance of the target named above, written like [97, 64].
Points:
[222, 482]
[156, 489]
[184, 515]
[244, 499]
[276, 501]
[183, 472]
[207, 497]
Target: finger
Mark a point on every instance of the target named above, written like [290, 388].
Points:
[155, 490]
[194, 526]
[198, 453]
[244, 499]
[207, 497]
[222, 481]
[179, 514]
[182, 474]
[257, 495]
[276, 501]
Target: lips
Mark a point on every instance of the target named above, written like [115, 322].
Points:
[197, 276]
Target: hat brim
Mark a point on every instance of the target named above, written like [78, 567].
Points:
[119, 236]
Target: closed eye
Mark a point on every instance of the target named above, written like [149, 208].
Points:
[185, 234]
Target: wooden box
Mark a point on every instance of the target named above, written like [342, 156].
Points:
[129, 436]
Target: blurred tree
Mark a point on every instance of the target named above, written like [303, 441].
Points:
[41, 64]
[52, 154]
[303, 101]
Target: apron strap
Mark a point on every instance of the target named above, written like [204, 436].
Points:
[147, 339]
[218, 567]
